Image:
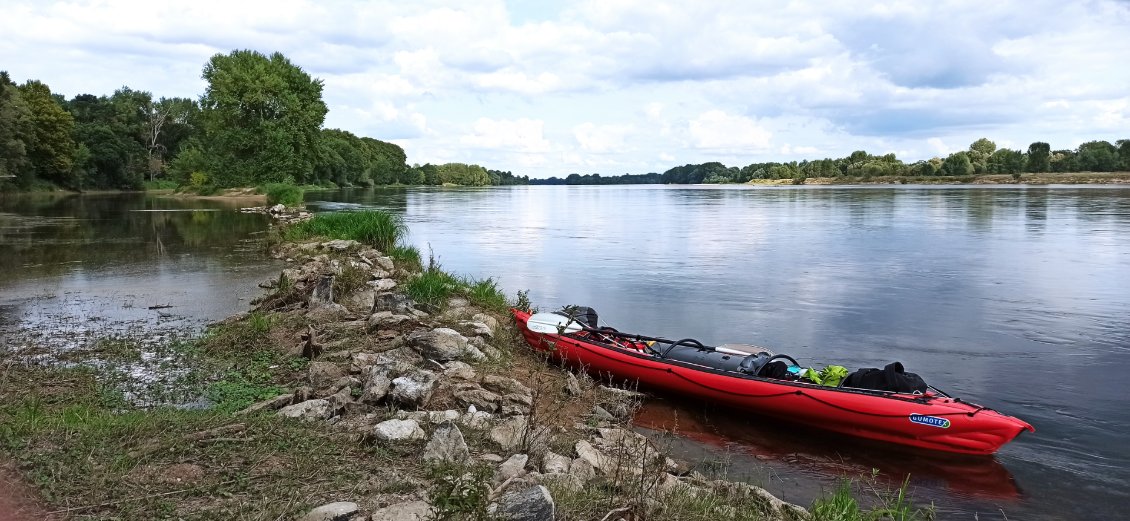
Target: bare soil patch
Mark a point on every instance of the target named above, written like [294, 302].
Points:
[17, 501]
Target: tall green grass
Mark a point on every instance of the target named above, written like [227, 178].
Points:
[433, 286]
[894, 505]
[407, 257]
[379, 229]
[485, 294]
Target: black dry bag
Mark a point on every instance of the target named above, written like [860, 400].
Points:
[890, 378]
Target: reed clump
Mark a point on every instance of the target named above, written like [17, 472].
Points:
[379, 229]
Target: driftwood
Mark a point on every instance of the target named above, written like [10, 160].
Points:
[161, 306]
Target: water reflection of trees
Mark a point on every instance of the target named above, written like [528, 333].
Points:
[47, 234]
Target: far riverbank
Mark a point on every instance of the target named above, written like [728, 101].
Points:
[1079, 178]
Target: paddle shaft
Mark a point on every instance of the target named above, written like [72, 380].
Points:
[632, 336]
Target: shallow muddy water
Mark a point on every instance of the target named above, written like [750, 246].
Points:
[76, 268]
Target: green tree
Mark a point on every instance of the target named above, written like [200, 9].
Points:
[261, 119]
[1096, 156]
[112, 132]
[957, 164]
[1124, 154]
[1039, 157]
[15, 133]
[924, 168]
[979, 152]
[1005, 161]
[51, 149]
[1062, 161]
[168, 124]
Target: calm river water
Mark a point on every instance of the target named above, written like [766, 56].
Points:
[1017, 298]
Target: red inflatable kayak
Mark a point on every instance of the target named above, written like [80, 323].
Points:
[929, 420]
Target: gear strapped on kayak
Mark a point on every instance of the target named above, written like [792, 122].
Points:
[757, 361]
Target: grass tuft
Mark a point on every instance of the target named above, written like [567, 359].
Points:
[432, 287]
[485, 294]
[407, 257]
[379, 229]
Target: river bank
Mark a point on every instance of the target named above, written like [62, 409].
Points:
[352, 366]
[1078, 178]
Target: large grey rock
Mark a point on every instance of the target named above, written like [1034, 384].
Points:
[481, 399]
[633, 449]
[510, 433]
[387, 319]
[528, 504]
[447, 445]
[360, 301]
[341, 399]
[384, 262]
[477, 328]
[460, 370]
[376, 387]
[323, 374]
[519, 399]
[594, 457]
[572, 385]
[413, 389]
[478, 420]
[398, 430]
[505, 385]
[340, 511]
[486, 319]
[443, 344]
[553, 463]
[407, 511]
[393, 302]
[600, 414]
[308, 410]
[582, 470]
[341, 245]
[360, 362]
[434, 417]
[381, 285]
[513, 467]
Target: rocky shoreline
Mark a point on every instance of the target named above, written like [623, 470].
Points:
[442, 383]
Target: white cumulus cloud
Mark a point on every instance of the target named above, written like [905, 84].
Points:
[716, 129]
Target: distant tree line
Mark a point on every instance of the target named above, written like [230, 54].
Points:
[983, 157]
[259, 121]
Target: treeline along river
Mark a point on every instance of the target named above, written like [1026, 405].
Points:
[1017, 298]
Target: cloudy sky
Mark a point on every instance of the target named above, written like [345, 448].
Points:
[627, 86]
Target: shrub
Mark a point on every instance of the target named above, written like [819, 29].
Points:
[198, 179]
[282, 193]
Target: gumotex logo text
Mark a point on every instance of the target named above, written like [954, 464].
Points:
[932, 421]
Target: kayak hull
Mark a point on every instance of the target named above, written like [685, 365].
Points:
[928, 421]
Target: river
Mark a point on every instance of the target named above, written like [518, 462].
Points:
[1016, 298]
